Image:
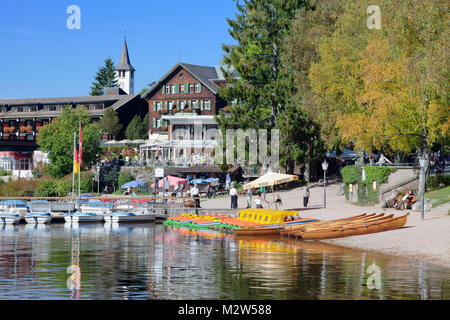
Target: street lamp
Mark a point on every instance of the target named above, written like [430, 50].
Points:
[423, 165]
[324, 167]
[98, 179]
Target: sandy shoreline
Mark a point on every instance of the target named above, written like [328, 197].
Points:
[426, 239]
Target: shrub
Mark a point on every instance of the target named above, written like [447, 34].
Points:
[46, 188]
[4, 173]
[438, 181]
[353, 175]
[18, 188]
[124, 177]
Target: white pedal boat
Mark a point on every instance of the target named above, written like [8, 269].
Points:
[78, 217]
[38, 217]
[133, 215]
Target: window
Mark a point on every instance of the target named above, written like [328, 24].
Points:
[172, 89]
[207, 105]
[182, 88]
[191, 87]
[181, 76]
[195, 104]
[170, 105]
[182, 104]
[167, 89]
[197, 87]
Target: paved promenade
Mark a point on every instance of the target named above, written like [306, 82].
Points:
[428, 239]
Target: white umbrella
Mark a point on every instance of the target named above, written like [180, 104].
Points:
[270, 179]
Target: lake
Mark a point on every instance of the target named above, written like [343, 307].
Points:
[152, 261]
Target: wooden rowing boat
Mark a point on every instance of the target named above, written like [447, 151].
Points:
[287, 230]
[268, 230]
[341, 224]
[354, 230]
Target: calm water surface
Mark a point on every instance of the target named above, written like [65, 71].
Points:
[151, 261]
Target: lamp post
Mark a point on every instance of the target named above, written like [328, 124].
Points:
[423, 165]
[98, 179]
[325, 167]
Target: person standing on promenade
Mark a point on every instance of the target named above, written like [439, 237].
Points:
[306, 195]
[249, 198]
[195, 194]
[234, 197]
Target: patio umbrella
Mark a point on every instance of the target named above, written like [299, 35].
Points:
[199, 181]
[133, 184]
[172, 181]
[216, 180]
[270, 179]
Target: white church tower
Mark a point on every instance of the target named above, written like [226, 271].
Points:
[125, 72]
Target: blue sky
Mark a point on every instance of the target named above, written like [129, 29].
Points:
[41, 57]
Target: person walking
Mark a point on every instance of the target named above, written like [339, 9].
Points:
[306, 195]
[249, 198]
[234, 197]
[195, 194]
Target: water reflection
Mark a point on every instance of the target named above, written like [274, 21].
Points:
[150, 261]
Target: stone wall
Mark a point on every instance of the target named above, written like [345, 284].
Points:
[404, 178]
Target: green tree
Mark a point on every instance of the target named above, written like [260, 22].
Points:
[110, 123]
[56, 138]
[137, 128]
[260, 87]
[387, 88]
[104, 78]
[262, 84]
[300, 50]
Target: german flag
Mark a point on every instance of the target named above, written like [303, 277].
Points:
[81, 147]
[76, 157]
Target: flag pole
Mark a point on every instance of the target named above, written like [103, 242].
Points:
[79, 160]
[74, 163]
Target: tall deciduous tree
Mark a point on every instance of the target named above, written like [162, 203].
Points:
[389, 87]
[300, 50]
[56, 138]
[104, 78]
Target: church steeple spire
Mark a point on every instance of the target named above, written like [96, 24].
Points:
[125, 71]
[125, 59]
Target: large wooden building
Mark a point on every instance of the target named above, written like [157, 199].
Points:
[184, 88]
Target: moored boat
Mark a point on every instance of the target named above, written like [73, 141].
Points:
[129, 217]
[361, 228]
[77, 217]
[269, 229]
[10, 218]
[38, 217]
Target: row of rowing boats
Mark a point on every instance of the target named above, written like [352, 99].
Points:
[318, 230]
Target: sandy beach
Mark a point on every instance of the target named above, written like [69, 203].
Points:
[427, 239]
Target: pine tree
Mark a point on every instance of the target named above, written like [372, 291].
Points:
[104, 78]
[260, 87]
[137, 128]
[263, 87]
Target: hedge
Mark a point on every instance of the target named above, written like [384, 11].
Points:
[353, 175]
